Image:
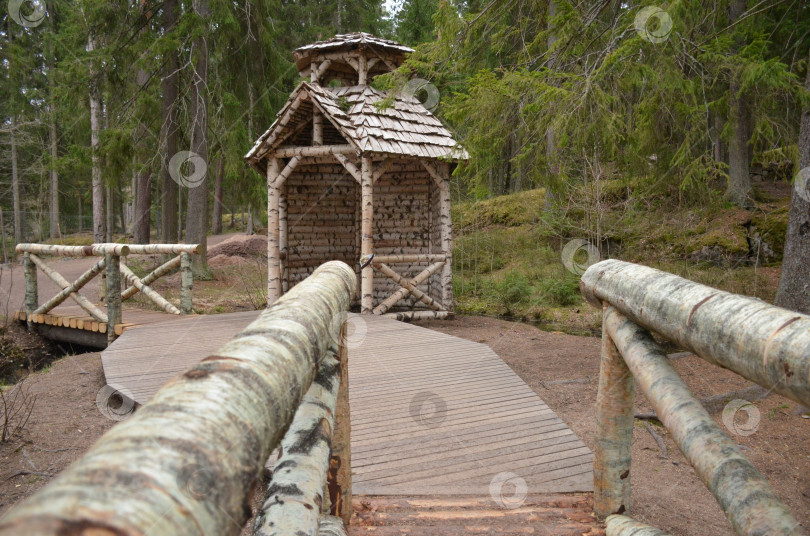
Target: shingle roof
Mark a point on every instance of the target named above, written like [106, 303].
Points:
[404, 128]
[349, 40]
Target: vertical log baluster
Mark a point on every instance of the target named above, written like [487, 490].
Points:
[113, 295]
[614, 432]
[367, 240]
[31, 293]
[446, 224]
[282, 238]
[273, 246]
[186, 283]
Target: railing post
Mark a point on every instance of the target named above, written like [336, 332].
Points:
[340, 464]
[614, 432]
[186, 283]
[102, 287]
[31, 294]
[113, 295]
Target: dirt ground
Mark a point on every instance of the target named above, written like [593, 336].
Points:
[562, 369]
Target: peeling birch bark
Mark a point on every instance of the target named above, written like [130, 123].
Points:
[31, 292]
[367, 237]
[321, 150]
[295, 494]
[763, 343]
[446, 225]
[286, 172]
[165, 249]
[186, 283]
[332, 526]
[407, 316]
[624, 526]
[93, 250]
[113, 270]
[614, 432]
[748, 501]
[351, 168]
[273, 246]
[187, 462]
[339, 483]
[395, 259]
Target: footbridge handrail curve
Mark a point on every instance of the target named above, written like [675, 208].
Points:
[763, 343]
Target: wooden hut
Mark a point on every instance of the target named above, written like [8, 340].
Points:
[349, 179]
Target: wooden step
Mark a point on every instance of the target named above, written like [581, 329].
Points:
[454, 515]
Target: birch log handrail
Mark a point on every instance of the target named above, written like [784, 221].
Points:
[109, 290]
[763, 343]
[188, 461]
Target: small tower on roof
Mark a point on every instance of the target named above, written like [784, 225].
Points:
[353, 58]
[364, 184]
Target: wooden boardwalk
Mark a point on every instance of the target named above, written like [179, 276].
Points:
[432, 414]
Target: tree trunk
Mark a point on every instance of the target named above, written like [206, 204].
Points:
[15, 186]
[217, 224]
[99, 227]
[197, 211]
[794, 283]
[108, 216]
[55, 230]
[551, 139]
[54, 208]
[739, 177]
[120, 211]
[143, 205]
[169, 230]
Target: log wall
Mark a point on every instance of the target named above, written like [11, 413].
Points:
[321, 204]
[402, 225]
[323, 222]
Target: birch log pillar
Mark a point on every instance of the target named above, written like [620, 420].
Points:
[317, 127]
[273, 245]
[362, 71]
[367, 240]
[447, 237]
[282, 238]
[113, 295]
[186, 283]
[614, 432]
[31, 293]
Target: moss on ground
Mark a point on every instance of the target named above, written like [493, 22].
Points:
[507, 251]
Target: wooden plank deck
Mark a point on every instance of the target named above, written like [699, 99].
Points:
[431, 413]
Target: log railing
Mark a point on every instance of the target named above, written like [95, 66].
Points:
[189, 460]
[765, 344]
[114, 272]
[409, 287]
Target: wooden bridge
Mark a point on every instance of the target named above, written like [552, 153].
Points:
[435, 421]
[100, 321]
[444, 433]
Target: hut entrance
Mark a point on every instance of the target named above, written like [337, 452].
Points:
[349, 179]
